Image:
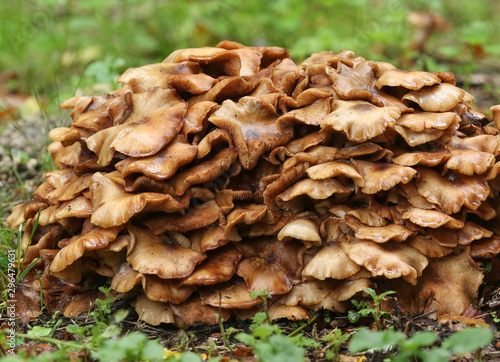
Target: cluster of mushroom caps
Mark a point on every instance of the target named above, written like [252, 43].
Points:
[231, 169]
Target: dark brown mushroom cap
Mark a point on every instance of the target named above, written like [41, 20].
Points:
[448, 285]
[195, 311]
[382, 176]
[486, 248]
[196, 217]
[453, 190]
[271, 264]
[360, 120]
[219, 267]
[156, 119]
[150, 254]
[413, 80]
[164, 163]
[114, 206]
[252, 123]
[203, 172]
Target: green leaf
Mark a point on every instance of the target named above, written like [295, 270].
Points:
[468, 340]
[38, 331]
[246, 338]
[279, 348]
[418, 340]
[352, 316]
[365, 339]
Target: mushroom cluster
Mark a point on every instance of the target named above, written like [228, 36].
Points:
[230, 169]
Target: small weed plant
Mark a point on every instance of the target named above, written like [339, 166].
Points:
[365, 310]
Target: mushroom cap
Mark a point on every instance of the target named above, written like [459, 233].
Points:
[194, 311]
[234, 295]
[183, 77]
[301, 229]
[335, 168]
[360, 120]
[432, 218]
[448, 285]
[315, 189]
[150, 254]
[244, 214]
[382, 176]
[421, 121]
[219, 267]
[151, 312]
[464, 236]
[114, 206]
[451, 191]
[271, 264]
[203, 172]
[164, 163]
[428, 247]
[252, 123]
[413, 80]
[307, 293]
[139, 135]
[94, 239]
[378, 234]
[196, 217]
[330, 262]
[213, 61]
[390, 259]
[439, 98]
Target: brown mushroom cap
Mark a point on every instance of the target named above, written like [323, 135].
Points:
[452, 191]
[413, 80]
[139, 135]
[252, 123]
[219, 267]
[382, 176]
[439, 98]
[330, 262]
[114, 206]
[270, 264]
[378, 234]
[432, 218]
[301, 229]
[151, 312]
[448, 285]
[390, 259]
[150, 254]
[233, 295]
[360, 120]
[164, 163]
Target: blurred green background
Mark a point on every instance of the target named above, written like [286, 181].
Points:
[53, 48]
